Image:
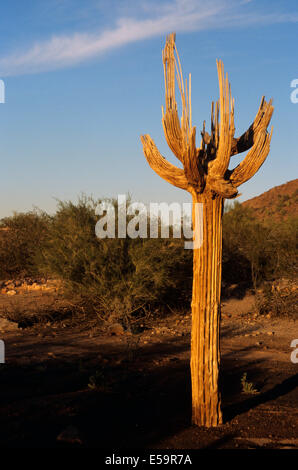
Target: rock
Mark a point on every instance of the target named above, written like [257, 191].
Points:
[48, 289]
[270, 333]
[116, 329]
[71, 435]
[6, 325]
[11, 292]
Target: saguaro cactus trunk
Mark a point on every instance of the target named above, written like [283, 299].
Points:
[205, 355]
[206, 175]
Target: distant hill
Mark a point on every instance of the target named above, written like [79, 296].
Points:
[278, 203]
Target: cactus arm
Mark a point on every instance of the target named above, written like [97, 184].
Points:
[161, 166]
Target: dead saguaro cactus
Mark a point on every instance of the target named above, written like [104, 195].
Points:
[206, 175]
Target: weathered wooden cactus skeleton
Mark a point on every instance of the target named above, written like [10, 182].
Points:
[206, 175]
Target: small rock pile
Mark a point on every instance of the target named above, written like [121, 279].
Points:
[284, 287]
[13, 287]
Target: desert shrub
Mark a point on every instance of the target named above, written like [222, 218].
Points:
[163, 269]
[245, 245]
[257, 251]
[113, 277]
[284, 243]
[21, 236]
[279, 299]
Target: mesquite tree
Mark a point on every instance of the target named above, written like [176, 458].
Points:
[206, 175]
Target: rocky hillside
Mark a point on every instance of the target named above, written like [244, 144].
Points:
[278, 203]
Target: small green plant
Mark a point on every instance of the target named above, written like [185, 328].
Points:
[247, 387]
[95, 380]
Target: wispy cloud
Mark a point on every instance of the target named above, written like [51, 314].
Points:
[180, 15]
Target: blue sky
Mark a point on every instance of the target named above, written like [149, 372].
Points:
[85, 79]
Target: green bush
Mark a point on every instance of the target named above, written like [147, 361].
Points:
[115, 277]
[279, 301]
[245, 246]
[257, 251]
[21, 236]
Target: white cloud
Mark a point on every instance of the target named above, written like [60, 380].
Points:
[180, 15]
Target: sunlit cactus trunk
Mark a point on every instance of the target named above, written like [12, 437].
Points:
[206, 175]
[205, 306]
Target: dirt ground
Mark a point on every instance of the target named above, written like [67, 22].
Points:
[63, 385]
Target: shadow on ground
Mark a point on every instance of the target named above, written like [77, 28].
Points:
[135, 402]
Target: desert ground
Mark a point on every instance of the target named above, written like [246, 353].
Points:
[67, 383]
